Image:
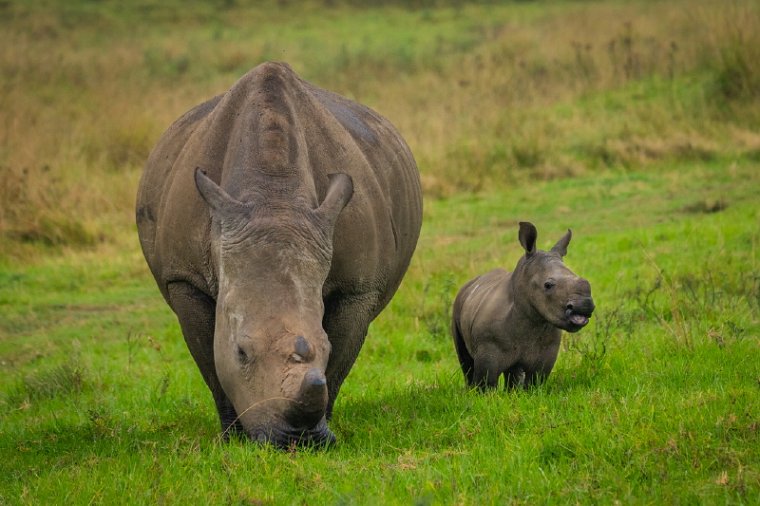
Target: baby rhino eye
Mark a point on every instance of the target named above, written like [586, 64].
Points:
[548, 285]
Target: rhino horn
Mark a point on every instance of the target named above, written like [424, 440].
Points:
[311, 401]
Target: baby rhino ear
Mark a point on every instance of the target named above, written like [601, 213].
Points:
[527, 236]
[561, 246]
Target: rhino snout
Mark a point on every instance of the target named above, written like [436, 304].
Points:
[302, 420]
[578, 311]
[583, 306]
[310, 403]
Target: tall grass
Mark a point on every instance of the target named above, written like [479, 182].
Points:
[486, 94]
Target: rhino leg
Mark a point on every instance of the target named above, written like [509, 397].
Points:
[533, 378]
[346, 322]
[514, 377]
[536, 374]
[195, 311]
[465, 359]
[488, 368]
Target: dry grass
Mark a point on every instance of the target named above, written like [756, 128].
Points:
[485, 94]
[613, 85]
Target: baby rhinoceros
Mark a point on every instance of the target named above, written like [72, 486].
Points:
[510, 322]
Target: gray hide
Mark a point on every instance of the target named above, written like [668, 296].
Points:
[277, 253]
[510, 322]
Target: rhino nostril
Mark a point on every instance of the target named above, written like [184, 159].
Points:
[569, 306]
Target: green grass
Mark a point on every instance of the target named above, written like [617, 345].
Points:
[656, 402]
[633, 123]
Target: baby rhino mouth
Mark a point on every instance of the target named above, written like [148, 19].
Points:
[577, 319]
[578, 312]
[577, 316]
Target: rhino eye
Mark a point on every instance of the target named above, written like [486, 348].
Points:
[549, 285]
[242, 355]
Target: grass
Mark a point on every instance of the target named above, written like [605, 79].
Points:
[656, 402]
[634, 124]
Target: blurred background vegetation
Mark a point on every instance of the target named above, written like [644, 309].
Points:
[488, 94]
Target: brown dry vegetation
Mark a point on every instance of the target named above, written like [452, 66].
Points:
[486, 94]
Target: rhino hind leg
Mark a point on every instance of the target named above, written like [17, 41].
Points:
[196, 314]
[514, 377]
[465, 359]
[346, 322]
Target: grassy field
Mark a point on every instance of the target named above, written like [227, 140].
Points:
[636, 124]
[656, 402]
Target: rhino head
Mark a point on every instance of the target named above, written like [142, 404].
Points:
[548, 289]
[270, 350]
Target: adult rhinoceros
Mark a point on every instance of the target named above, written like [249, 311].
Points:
[278, 220]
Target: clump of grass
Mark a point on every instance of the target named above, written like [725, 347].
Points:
[592, 345]
[698, 308]
[435, 306]
[59, 381]
[734, 47]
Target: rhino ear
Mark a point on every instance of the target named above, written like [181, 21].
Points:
[528, 235]
[561, 246]
[221, 203]
[339, 193]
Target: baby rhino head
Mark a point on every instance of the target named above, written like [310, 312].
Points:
[553, 292]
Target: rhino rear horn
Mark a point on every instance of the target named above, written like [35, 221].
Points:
[528, 235]
[561, 246]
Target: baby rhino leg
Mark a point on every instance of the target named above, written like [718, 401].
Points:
[489, 365]
[537, 373]
[514, 377]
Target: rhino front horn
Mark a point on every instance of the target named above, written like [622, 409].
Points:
[311, 401]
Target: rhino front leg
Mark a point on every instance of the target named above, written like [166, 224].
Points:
[538, 372]
[488, 368]
[196, 314]
[346, 322]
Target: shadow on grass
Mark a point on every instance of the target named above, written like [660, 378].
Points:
[444, 414]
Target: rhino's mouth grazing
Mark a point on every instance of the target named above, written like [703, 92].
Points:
[319, 436]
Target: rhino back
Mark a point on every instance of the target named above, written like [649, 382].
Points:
[481, 306]
[275, 136]
[374, 240]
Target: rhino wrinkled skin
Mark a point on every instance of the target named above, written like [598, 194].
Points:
[278, 220]
[510, 323]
